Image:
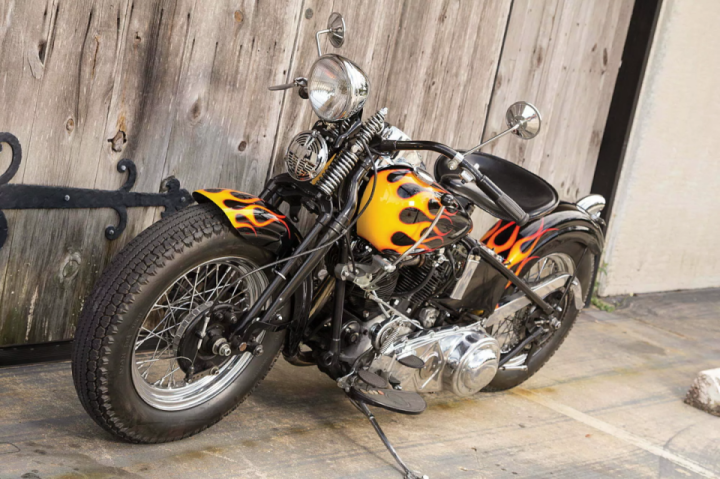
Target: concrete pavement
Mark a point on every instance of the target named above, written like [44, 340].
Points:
[610, 403]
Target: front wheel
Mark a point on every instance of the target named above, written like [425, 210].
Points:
[148, 363]
[557, 257]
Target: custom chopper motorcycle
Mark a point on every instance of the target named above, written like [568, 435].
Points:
[386, 293]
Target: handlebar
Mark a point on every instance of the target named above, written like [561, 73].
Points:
[486, 185]
[500, 197]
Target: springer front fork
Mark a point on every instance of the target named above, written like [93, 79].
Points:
[304, 259]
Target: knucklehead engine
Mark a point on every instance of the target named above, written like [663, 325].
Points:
[410, 251]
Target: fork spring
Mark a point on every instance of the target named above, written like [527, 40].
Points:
[341, 167]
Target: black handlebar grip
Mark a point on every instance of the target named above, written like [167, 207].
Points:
[500, 198]
[513, 209]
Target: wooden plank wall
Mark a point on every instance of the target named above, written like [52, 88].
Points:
[563, 56]
[182, 86]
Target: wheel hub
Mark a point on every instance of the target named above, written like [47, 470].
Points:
[510, 332]
[200, 343]
[167, 345]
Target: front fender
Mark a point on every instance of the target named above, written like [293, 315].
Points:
[255, 221]
[262, 225]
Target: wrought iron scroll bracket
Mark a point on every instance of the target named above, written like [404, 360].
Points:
[23, 197]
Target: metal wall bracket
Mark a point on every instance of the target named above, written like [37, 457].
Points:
[23, 197]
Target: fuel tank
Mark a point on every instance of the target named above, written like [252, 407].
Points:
[402, 208]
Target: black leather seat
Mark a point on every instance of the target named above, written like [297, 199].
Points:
[535, 195]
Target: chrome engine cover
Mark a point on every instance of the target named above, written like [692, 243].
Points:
[462, 360]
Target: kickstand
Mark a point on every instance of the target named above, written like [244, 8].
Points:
[365, 410]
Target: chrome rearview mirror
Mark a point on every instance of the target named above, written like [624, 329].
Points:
[522, 118]
[336, 29]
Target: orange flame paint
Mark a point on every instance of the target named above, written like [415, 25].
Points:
[520, 250]
[519, 254]
[225, 199]
[495, 232]
[382, 218]
[249, 213]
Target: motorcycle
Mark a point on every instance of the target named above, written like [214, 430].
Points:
[386, 293]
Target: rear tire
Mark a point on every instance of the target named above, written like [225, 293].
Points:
[103, 362]
[584, 265]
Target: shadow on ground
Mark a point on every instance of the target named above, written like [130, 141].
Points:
[608, 404]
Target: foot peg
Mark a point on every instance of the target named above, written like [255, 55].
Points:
[372, 379]
[365, 410]
[412, 361]
[404, 402]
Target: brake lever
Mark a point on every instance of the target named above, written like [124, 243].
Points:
[298, 82]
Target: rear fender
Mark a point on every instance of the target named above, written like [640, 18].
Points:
[516, 244]
[255, 221]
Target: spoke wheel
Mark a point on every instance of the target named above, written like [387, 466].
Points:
[513, 330]
[142, 368]
[561, 256]
[158, 373]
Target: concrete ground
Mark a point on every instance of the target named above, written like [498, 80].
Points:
[610, 403]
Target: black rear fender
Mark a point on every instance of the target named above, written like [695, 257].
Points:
[516, 246]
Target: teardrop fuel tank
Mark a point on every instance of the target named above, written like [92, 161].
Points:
[402, 208]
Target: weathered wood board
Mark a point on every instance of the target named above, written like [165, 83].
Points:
[161, 75]
[180, 87]
[432, 67]
[563, 57]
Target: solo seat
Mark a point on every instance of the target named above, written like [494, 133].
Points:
[533, 194]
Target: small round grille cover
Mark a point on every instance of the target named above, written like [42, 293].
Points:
[306, 155]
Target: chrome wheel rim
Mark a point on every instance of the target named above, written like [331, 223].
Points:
[156, 373]
[510, 332]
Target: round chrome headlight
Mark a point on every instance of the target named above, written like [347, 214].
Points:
[337, 88]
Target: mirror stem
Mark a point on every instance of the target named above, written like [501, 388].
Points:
[499, 135]
[317, 39]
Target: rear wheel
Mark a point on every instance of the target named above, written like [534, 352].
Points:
[151, 362]
[557, 257]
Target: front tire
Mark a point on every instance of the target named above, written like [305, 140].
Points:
[109, 357]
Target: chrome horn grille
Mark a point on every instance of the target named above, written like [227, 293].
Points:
[306, 155]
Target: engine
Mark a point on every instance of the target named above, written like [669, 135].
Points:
[409, 286]
[393, 325]
[462, 359]
[418, 283]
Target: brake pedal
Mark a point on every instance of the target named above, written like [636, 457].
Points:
[403, 402]
[372, 379]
